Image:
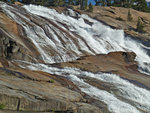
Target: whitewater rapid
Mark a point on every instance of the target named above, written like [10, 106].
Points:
[133, 98]
[61, 38]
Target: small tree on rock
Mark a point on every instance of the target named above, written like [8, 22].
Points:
[140, 26]
[129, 17]
[90, 7]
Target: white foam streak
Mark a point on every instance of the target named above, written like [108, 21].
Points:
[83, 38]
[114, 104]
[100, 38]
[131, 94]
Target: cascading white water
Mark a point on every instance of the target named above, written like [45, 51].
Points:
[93, 39]
[70, 34]
[135, 99]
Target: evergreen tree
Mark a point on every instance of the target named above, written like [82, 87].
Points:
[70, 2]
[4, 0]
[27, 1]
[83, 4]
[51, 2]
[90, 7]
[117, 3]
[108, 2]
[140, 26]
[77, 2]
[129, 17]
[141, 5]
[130, 3]
[12, 1]
[97, 2]
[59, 2]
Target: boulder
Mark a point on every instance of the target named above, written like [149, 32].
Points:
[31, 91]
[123, 56]
[87, 108]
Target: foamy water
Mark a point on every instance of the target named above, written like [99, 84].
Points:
[80, 38]
[134, 99]
[71, 38]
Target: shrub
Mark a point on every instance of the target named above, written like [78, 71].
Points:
[51, 81]
[129, 17]
[140, 26]
[2, 106]
[90, 8]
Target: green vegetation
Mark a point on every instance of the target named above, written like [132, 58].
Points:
[140, 26]
[2, 106]
[129, 17]
[51, 81]
[140, 5]
[90, 8]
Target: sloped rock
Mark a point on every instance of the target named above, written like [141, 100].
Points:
[121, 63]
[109, 15]
[86, 108]
[123, 56]
[31, 91]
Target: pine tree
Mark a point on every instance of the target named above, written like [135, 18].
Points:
[59, 2]
[140, 26]
[51, 2]
[27, 1]
[12, 1]
[70, 2]
[83, 4]
[90, 7]
[129, 17]
[4, 0]
[141, 5]
[97, 2]
[100, 2]
[117, 3]
[108, 2]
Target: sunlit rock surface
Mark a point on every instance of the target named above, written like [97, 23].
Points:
[69, 62]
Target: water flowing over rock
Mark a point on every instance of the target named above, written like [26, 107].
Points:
[52, 37]
[68, 62]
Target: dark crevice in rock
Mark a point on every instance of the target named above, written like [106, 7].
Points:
[18, 106]
[10, 49]
[21, 75]
[37, 97]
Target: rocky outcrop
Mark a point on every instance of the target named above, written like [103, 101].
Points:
[127, 57]
[13, 45]
[117, 17]
[121, 63]
[10, 49]
[30, 91]
[22, 90]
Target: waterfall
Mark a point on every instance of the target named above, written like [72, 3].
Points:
[134, 99]
[61, 38]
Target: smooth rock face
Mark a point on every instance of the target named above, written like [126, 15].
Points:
[86, 108]
[28, 91]
[11, 50]
[109, 15]
[121, 63]
[23, 90]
